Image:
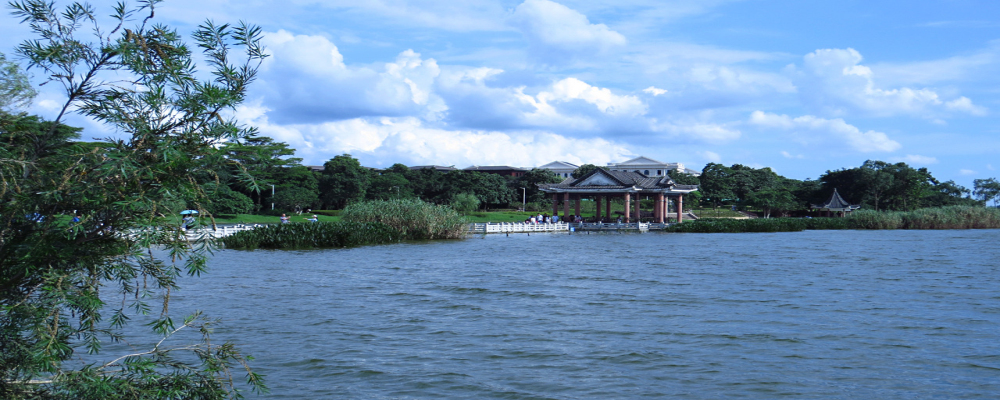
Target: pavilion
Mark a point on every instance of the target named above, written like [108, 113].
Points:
[603, 185]
[836, 204]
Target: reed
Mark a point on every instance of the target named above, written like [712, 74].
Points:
[952, 217]
[313, 235]
[414, 219]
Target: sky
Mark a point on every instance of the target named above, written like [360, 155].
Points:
[801, 87]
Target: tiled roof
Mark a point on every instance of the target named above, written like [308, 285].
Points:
[623, 180]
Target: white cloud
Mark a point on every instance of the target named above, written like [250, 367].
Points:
[710, 156]
[410, 140]
[307, 80]
[653, 90]
[790, 155]
[966, 172]
[833, 82]
[605, 101]
[556, 32]
[811, 129]
[915, 159]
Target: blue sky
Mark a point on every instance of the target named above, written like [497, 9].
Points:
[798, 86]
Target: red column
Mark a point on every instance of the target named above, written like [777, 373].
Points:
[597, 207]
[680, 207]
[628, 206]
[607, 205]
[578, 204]
[555, 203]
[565, 205]
[658, 208]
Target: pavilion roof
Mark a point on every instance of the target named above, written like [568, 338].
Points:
[601, 179]
[836, 202]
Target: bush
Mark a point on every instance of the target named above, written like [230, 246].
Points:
[415, 219]
[313, 235]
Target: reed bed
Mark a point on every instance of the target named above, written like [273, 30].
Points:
[952, 217]
[415, 219]
[313, 235]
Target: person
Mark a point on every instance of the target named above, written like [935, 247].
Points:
[555, 218]
[284, 219]
[315, 218]
[188, 220]
[619, 220]
[533, 220]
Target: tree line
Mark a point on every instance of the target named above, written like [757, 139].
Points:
[875, 185]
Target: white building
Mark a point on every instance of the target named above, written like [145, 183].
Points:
[561, 168]
[650, 167]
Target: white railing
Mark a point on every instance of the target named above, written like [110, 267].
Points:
[219, 231]
[520, 227]
[516, 227]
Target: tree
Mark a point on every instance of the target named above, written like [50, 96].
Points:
[986, 190]
[15, 90]
[52, 268]
[530, 181]
[344, 181]
[717, 184]
[583, 170]
[464, 202]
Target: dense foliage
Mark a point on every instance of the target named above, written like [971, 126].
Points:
[875, 185]
[57, 271]
[313, 235]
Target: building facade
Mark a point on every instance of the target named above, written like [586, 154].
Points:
[650, 167]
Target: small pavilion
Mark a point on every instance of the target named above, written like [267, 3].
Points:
[836, 204]
[602, 185]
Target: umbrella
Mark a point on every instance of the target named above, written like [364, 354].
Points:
[186, 212]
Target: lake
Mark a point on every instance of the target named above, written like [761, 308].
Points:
[815, 314]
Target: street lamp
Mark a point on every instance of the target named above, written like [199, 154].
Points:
[524, 199]
[272, 197]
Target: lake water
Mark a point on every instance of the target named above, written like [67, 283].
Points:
[816, 314]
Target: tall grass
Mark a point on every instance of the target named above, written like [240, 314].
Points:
[415, 219]
[952, 217]
[313, 235]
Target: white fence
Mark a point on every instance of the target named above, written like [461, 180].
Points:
[520, 227]
[219, 231]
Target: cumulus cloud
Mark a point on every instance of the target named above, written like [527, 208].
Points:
[410, 140]
[811, 129]
[834, 82]
[557, 33]
[790, 155]
[306, 80]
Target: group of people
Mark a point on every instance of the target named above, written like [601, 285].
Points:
[286, 219]
[546, 219]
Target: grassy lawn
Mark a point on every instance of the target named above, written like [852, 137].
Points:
[716, 213]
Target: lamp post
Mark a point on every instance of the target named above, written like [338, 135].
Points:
[272, 197]
[524, 199]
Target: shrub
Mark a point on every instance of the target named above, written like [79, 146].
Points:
[313, 235]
